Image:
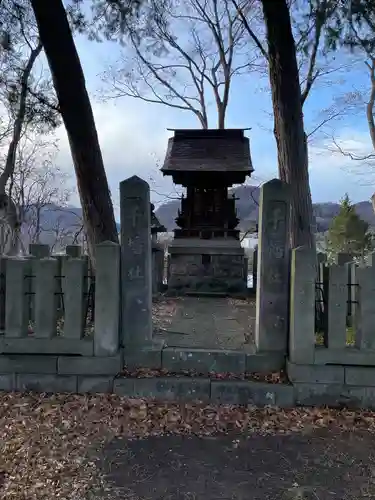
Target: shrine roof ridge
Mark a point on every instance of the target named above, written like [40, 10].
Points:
[220, 150]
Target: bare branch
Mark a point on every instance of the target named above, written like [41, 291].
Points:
[352, 156]
[251, 33]
[43, 100]
[189, 52]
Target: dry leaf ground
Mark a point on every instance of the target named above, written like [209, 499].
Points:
[107, 447]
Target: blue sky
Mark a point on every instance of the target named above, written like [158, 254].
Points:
[133, 134]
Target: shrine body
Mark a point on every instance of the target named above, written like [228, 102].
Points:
[206, 253]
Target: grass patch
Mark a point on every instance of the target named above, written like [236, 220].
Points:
[350, 336]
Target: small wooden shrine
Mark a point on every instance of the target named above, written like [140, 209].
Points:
[206, 254]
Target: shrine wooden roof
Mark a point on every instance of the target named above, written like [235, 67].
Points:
[214, 150]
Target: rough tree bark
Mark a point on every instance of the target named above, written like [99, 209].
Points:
[76, 111]
[370, 112]
[288, 116]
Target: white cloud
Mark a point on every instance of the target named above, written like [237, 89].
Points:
[133, 137]
[333, 173]
[132, 142]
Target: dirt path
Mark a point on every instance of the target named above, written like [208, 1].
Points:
[103, 447]
[318, 466]
[217, 323]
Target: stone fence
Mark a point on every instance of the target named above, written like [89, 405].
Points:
[60, 333]
[47, 303]
[337, 363]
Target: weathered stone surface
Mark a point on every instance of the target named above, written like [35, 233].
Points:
[95, 385]
[322, 374]
[368, 400]
[265, 362]
[351, 268]
[8, 382]
[332, 395]
[203, 361]
[74, 287]
[164, 388]
[206, 266]
[157, 268]
[302, 305]
[18, 363]
[359, 375]
[107, 299]
[143, 358]
[136, 268]
[124, 386]
[249, 392]
[17, 307]
[3, 261]
[346, 356]
[61, 307]
[39, 251]
[46, 302]
[46, 383]
[171, 388]
[337, 306]
[273, 267]
[365, 313]
[82, 365]
[74, 251]
[56, 345]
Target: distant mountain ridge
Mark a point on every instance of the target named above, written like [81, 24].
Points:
[247, 209]
[59, 225]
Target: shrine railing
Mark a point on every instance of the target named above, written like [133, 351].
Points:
[332, 315]
[53, 305]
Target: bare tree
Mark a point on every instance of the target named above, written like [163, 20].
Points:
[25, 98]
[354, 27]
[185, 57]
[39, 190]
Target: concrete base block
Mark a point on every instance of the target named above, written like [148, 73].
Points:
[95, 385]
[56, 345]
[148, 357]
[81, 365]
[360, 375]
[203, 361]
[164, 388]
[8, 382]
[124, 387]
[249, 392]
[326, 374]
[187, 273]
[24, 363]
[369, 398]
[265, 362]
[46, 383]
[346, 356]
[331, 395]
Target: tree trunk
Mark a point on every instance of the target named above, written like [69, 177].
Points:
[289, 128]
[370, 112]
[74, 103]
